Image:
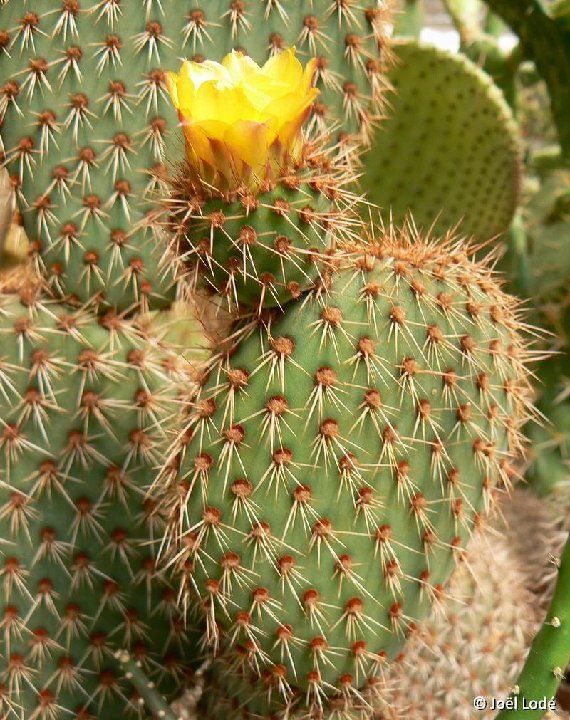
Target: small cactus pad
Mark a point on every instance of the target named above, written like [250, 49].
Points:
[336, 463]
[85, 115]
[263, 248]
[449, 151]
[85, 405]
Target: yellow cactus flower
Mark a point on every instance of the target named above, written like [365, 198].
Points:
[242, 122]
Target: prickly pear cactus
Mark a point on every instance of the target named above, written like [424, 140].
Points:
[86, 118]
[335, 465]
[438, 672]
[476, 644]
[85, 405]
[449, 151]
[262, 249]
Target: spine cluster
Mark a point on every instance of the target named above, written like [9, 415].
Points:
[335, 464]
[86, 406]
[311, 495]
[88, 78]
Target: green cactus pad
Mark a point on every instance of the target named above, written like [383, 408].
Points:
[448, 153]
[85, 406]
[85, 116]
[262, 249]
[448, 649]
[336, 462]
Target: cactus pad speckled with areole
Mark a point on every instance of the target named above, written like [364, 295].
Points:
[85, 115]
[336, 463]
[438, 672]
[85, 406]
[449, 151]
[262, 249]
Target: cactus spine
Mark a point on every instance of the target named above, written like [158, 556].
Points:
[396, 378]
[85, 405]
[485, 621]
[261, 249]
[336, 462]
[89, 75]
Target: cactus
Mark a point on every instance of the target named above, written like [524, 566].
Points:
[153, 700]
[262, 249]
[485, 621]
[476, 644]
[335, 464]
[548, 655]
[409, 18]
[85, 405]
[481, 44]
[343, 444]
[88, 79]
[449, 151]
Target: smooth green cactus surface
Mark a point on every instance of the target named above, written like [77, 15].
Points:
[335, 465]
[448, 153]
[85, 406]
[85, 116]
[548, 655]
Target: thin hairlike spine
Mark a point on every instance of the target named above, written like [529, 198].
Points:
[355, 510]
[92, 75]
[80, 436]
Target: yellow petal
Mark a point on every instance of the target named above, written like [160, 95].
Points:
[198, 144]
[285, 67]
[186, 96]
[171, 80]
[261, 91]
[241, 121]
[240, 66]
[230, 106]
[309, 73]
[228, 166]
[290, 135]
[250, 142]
[208, 71]
[289, 106]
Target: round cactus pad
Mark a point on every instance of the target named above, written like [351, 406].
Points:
[449, 152]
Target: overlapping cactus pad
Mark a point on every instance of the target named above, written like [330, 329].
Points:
[262, 249]
[449, 153]
[335, 465]
[86, 117]
[85, 406]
